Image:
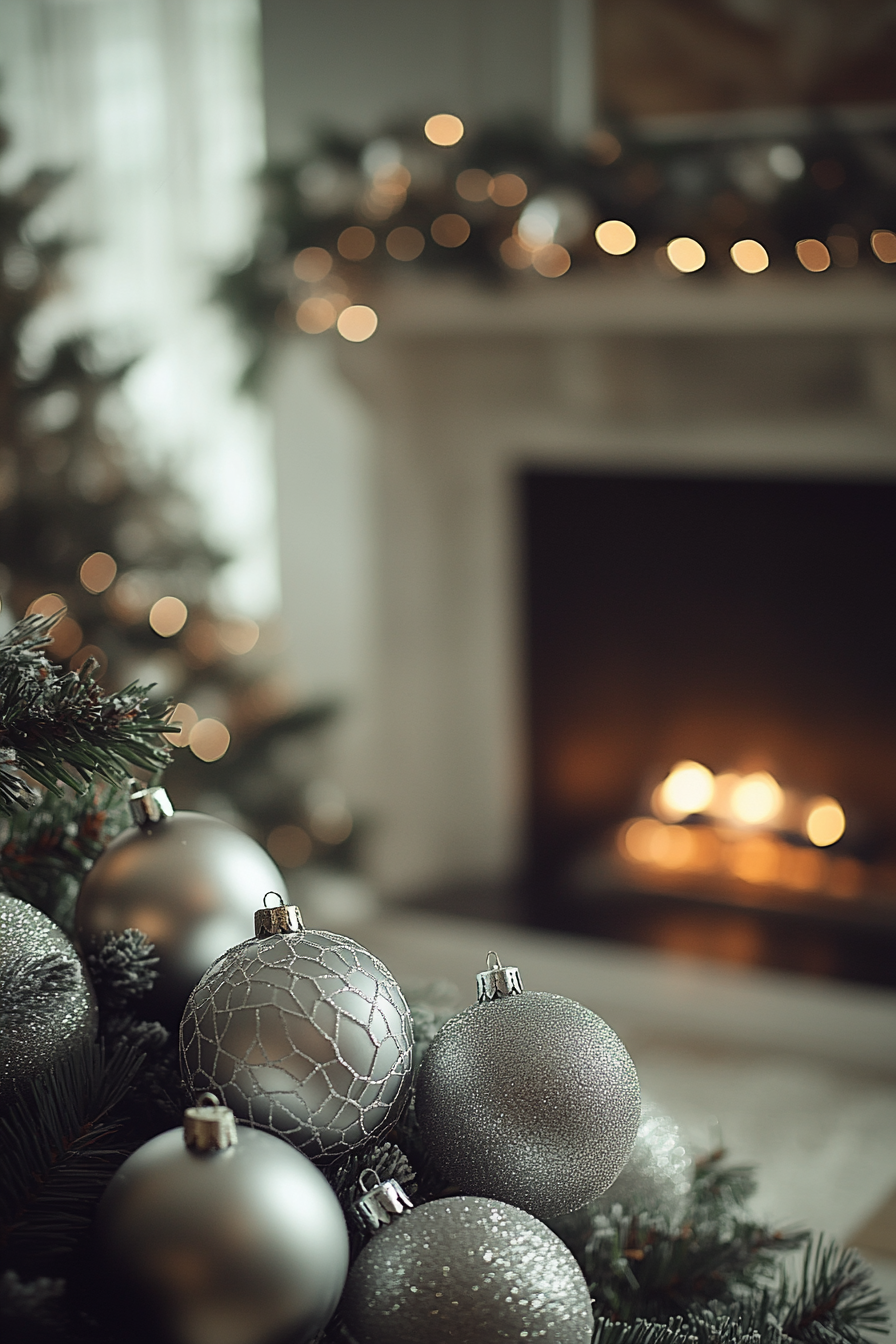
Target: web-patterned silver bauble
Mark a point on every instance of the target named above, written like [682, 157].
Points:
[307, 1035]
[657, 1177]
[47, 1004]
[529, 1098]
[466, 1269]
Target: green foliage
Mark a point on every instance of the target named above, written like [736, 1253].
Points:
[60, 728]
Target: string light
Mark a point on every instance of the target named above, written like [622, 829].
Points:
[749, 256]
[443, 129]
[183, 720]
[405, 243]
[450, 230]
[97, 572]
[209, 740]
[312, 264]
[825, 821]
[551, 261]
[238, 637]
[508, 189]
[168, 616]
[357, 322]
[315, 315]
[45, 605]
[615, 236]
[687, 789]
[473, 184]
[883, 245]
[686, 254]
[813, 255]
[356, 242]
[757, 798]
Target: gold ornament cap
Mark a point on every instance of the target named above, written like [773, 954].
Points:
[209, 1126]
[280, 918]
[149, 806]
[497, 982]
[380, 1204]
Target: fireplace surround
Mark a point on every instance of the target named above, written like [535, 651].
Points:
[401, 529]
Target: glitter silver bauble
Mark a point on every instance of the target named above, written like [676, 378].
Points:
[188, 882]
[47, 1004]
[528, 1098]
[466, 1269]
[306, 1034]
[657, 1177]
[237, 1238]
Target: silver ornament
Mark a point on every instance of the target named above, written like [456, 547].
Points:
[464, 1269]
[47, 1003]
[235, 1237]
[528, 1098]
[306, 1034]
[657, 1177]
[189, 882]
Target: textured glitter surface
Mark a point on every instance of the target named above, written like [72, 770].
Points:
[531, 1099]
[466, 1269]
[46, 1002]
[306, 1035]
[659, 1172]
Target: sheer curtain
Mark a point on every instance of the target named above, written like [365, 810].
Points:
[155, 107]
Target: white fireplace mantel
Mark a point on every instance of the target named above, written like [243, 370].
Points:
[399, 536]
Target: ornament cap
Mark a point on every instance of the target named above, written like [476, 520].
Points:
[379, 1205]
[280, 918]
[497, 982]
[149, 806]
[208, 1125]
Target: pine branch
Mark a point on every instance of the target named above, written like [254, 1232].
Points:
[122, 968]
[46, 852]
[58, 1150]
[61, 728]
[832, 1299]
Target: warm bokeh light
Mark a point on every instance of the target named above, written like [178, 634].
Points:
[813, 255]
[168, 616]
[508, 189]
[687, 788]
[649, 841]
[209, 740]
[357, 322]
[844, 248]
[514, 255]
[67, 636]
[883, 245]
[443, 129]
[356, 242]
[90, 651]
[238, 636]
[685, 254]
[312, 264]
[131, 597]
[756, 799]
[825, 821]
[405, 243]
[756, 859]
[615, 237]
[97, 572]
[289, 846]
[603, 146]
[450, 230]
[201, 642]
[551, 261]
[749, 256]
[186, 716]
[473, 184]
[45, 605]
[315, 315]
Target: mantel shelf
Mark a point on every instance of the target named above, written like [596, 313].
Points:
[861, 303]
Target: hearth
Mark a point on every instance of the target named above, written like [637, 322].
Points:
[712, 708]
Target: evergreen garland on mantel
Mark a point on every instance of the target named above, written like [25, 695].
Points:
[717, 1276]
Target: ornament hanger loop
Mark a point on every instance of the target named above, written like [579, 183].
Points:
[497, 981]
[379, 1204]
[209, 1125]
[488, 962]
[282, 918]
[368, 1171]
[209, 1099]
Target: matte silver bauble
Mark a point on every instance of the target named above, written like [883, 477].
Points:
[528, 1098]
[306, 1034]
[245, 1244]
[190, 883]
[47, 1004]
[466, 1269]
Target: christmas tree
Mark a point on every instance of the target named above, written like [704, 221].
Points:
[89, 532]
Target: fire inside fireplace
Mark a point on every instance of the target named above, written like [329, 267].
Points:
[712, 709]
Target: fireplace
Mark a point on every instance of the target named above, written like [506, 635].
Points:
[742, 625]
